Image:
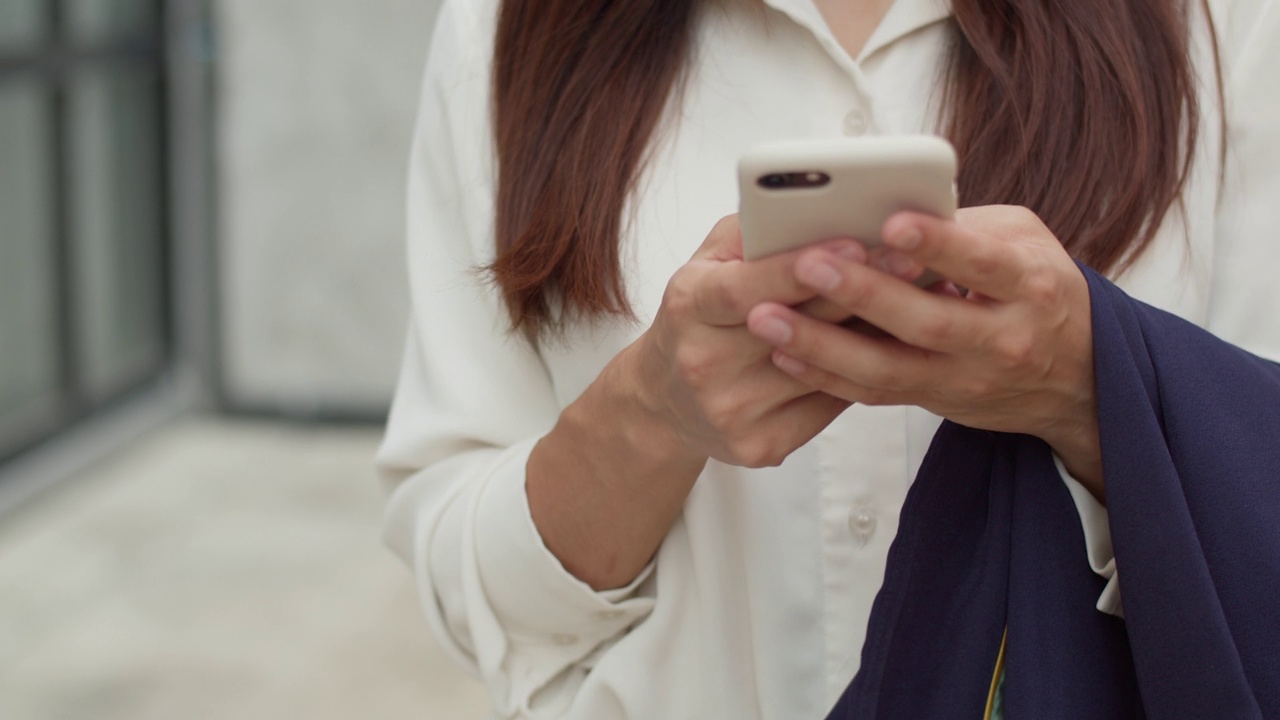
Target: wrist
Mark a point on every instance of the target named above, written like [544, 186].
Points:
[1080, 450]
[605, 485]
[621, 407]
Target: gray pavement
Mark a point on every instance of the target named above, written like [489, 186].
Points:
[218, 570]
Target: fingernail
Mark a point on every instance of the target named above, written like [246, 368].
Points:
[773, 330]
[909, 240]
[788, 364]
[819, 275]
[898, 264]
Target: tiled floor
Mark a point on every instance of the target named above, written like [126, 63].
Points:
[218, 570]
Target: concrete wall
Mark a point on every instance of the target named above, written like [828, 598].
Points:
[316, 102]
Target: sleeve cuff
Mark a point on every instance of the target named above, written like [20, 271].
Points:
[1097, 540]
[534, 598]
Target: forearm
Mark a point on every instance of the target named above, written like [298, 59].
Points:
[608, 481]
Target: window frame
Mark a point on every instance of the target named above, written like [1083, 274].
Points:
[53, 62]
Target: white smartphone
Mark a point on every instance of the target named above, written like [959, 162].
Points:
[803, 191]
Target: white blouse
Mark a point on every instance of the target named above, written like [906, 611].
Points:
[756, 604]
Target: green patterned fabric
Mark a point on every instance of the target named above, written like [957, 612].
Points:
[997, 706]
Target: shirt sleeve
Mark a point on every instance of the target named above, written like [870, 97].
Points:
[472, 401]
[1095, 522]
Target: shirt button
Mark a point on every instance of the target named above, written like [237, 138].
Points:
[862, 524]
[856, 122]
[564, 639]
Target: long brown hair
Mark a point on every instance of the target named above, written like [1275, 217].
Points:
[1084, 111]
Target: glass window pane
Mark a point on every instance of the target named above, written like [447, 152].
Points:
[90, 20]
[22, 23]
[114, 138]
[29, 368]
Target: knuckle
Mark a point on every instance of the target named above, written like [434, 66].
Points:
[977, 385]
[678, 299]
[754, 452]
[725, 228]
[1040, 286]
[936, 329]
[771, 453]
[723, 241]
[722, 412]
[696, 364]
[717, 296]
[739, 453]
[883, 377]
[985, 261]
[1015, 349]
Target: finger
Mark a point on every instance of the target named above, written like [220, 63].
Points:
[798, 421]
[966, 256]
[820, 308]
[880, 364]
[716, 353]
[828, 383]
[772, 387]
[827, 311]
[895, 263]
[726, 292]
[931, 320]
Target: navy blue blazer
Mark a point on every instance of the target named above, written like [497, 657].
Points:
[990, 538]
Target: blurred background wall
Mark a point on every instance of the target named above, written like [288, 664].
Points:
[204, 195]
[202, 304]
[316, 101]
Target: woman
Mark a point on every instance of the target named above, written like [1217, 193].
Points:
[670, 491]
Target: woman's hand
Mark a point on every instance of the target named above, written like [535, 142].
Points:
[703, 375]
[1015, 354]
[607, 482]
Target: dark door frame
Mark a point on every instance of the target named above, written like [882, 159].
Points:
[178, 49]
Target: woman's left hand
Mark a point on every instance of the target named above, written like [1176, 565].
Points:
[1014, 355]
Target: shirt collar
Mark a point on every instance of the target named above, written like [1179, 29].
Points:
[904, 17]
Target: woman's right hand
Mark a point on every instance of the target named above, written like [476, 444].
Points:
[700, 373]
[606, 484]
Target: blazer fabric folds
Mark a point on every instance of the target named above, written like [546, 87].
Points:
[990, 541]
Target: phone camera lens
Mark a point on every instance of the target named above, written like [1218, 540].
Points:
[774, 181]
